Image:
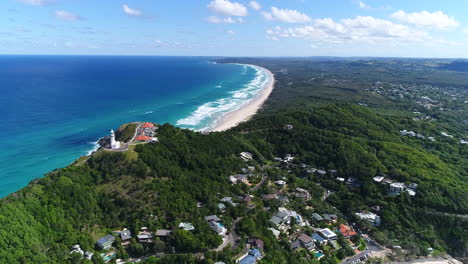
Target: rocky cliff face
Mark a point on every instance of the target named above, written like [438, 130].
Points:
[104, 142]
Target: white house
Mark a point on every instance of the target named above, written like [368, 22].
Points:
[397, 187]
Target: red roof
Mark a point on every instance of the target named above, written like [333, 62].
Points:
[346, 231]
[142, 138]
[147, 125]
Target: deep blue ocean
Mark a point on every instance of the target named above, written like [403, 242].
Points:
[54, 108]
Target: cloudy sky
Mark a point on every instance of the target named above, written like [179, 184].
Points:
[416, 28]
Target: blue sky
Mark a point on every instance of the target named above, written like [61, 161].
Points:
[403, 28]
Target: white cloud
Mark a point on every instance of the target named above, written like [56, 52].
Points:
[465, 30]
[363, 5]
[426, 19]
[131, 12]
[286, 15]
[36, 2]
[360, 29]
[228, 8]
[255, 5]
[226, 20]
[231, 32]
[64, 15]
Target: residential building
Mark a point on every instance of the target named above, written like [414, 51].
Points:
[327, 234]
[317, 217]
[252, 257]
[318, 238]
[105, 242]
[306, 241]
[397, 187]
[378, 179]
[371, 217]
[212, 218]
[218, 227]
[246, 156]
[186, 226]
[347, 231]
[163, 233]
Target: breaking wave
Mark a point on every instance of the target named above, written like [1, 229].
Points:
[209, 113]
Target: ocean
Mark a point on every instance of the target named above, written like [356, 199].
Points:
[55, 108]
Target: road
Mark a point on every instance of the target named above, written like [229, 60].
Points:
[231, 238]
[372, 249]
[264, 178]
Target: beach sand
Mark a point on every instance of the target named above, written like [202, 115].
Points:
[246, 111]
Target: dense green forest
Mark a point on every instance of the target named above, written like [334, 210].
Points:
[159, 185]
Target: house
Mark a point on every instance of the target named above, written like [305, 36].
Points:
[228, 200]
[218, 227]
[413, 186]
[252, 257]
[186, 226]
[143, 138]
[353, 182]
[330, 217]
[246, 156]
[221, 206]
[306, 241]
[327, 234]
[288, 127]
[125, 235]
[248, 199]
[145, 236]
[242, 178]
[256, 243]
[283, 199]
[105, 242]
[280, 183]
[276, 220]
[317, 217]
[233, 179]
[269, 196]
[212, 218]
[321, 172]
[396, 188]
[302, 194]
[318, 238]
[371, 217]
[295, 244]
[76, 249]
[163, 233]
[275, 232]
[387, 181]
[347, 231]
[340, 179]
[288, 158]
[88, 255]
[378, 179]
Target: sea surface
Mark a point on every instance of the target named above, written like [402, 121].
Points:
[55, 108]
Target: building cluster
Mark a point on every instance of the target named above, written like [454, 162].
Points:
[146, 133]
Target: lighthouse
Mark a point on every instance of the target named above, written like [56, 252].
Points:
[114, 144]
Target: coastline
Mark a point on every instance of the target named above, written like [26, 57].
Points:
[247, 110]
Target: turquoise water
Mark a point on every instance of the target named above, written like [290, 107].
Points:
[56, 107]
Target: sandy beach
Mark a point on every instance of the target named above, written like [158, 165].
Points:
[246, 111]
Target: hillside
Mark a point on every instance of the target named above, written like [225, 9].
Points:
[161, 185]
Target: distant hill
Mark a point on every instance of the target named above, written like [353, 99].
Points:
[460, 66]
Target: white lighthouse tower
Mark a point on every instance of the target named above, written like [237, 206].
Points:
[114, 144]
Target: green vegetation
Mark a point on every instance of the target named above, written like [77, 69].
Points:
[126, 132]
[159, 185]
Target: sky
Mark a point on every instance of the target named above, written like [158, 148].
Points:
[377, 28]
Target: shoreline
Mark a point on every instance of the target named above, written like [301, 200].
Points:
[247, 110]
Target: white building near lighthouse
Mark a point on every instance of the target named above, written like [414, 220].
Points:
[114, 144]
